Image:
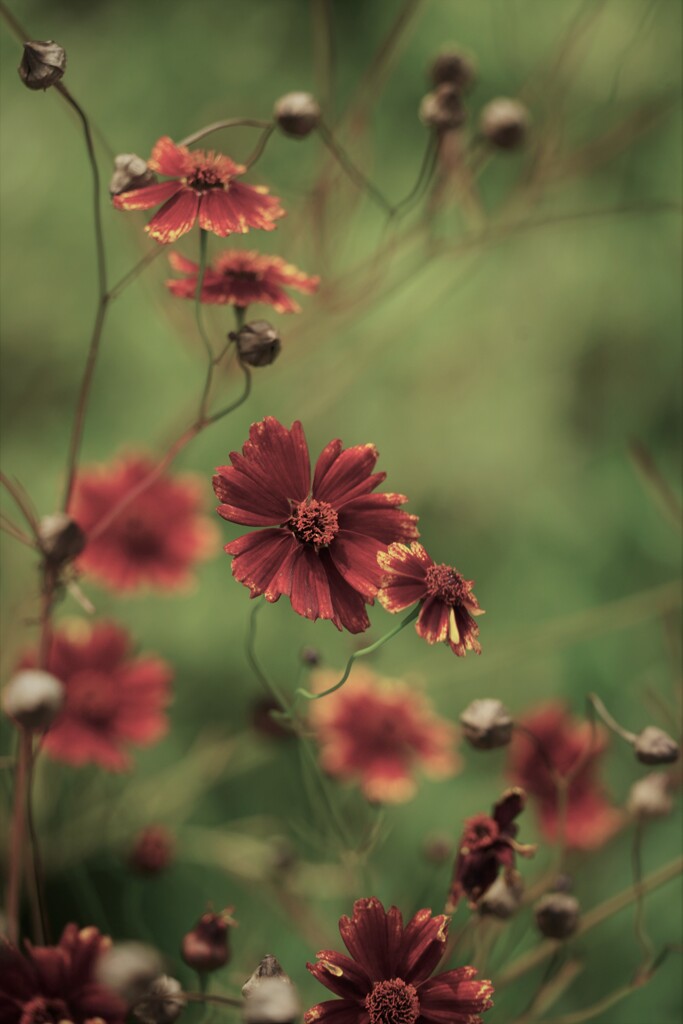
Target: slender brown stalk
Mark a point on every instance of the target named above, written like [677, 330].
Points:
[217, 126]
[23, 503]
[609, 721]
[17, 830]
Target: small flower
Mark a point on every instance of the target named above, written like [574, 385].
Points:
[43, 64]
[112, 698]
[377, 732]
[156, 538]
[297, 114]
[488, 844]
[568, 745]
[654, 746]
[386, 980]
[447, 601]
[206, 947]
[455, 67]
[321, 540]
[505, 123]
[57, 983]
[152, 851]
[33, 698]
[203, 185]
[241, 278]
[557, 915]
[130, 172]
[258, 343]
[486, 724]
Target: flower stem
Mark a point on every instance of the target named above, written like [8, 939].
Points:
[609, 721]
[350, 169]
[217, 126]
[17, 830]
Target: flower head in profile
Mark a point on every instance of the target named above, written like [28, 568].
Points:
[488, 844]
[447, 603]
[57, 983]
[388, 977]
[321, 539]
[564, 744]
[113, 700]
[157, 536]
[242, 278]
[202, 185]
[378, 732]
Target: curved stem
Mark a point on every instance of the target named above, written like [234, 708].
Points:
[609, 721]
[217, 126]
[260, 146]
[238, 401]
[348, 166]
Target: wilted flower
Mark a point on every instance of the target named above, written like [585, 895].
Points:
[443, 109]
[43, 63]
[258, 343]
[206, 947]
[654, 746]
[502, 899]
[130, 172]
[297, 114]
[650, 797]
[61, 538]
[505, 123]
[455, 67]
[486, 724]
[162, 1003]
[33, 698]
[557, 915]
[152, 851]
[242, 278]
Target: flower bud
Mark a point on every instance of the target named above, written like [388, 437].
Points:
[437, 850]
[33, 698]
[505, 123]
[128, 969]
[42, 64]
[269, 995]
[486, 724]
[61, 538]
[297, 114]
[654, 746]
[557, 915]
[650, 797]
[443, 108]
[152, 851]
[310, 656]
[130, 171]
[503, 898]
[162, 1003]
[257, 343]
[455, 67]
[206, 947]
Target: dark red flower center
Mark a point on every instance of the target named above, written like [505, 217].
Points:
[143, 542]
[92, 696]
[444, 582]
[44, 1011]
[242, 276]
[314, 522]
[392, 1002]
[480, 832]
[203, 178]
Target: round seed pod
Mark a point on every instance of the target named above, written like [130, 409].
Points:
[557, 915]
[486, 724]
[297, 114]
[33, 698]
[42, 64]
[654, 746]
[505, 123]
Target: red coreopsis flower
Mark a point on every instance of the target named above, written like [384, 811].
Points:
[564, 743]
[239, 278]
[378, 732]
[55, 984]
[447, 601]
[203, 185]
[113, 698]
[321, 540]
[488, 844]
[387, 979]
[156, 538]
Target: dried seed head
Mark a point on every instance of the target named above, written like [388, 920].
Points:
[152, 850]
[129, 968]
[42, 64]
[557, 915]
[455, 67]
[61, 538]
[297, 114]
[162, 1003]
[503, 898]
[650, 796]
[654, 746]
[437, 849]
[258, 343]
[206, 947]
[505, 123]
[486, 724]
[268, 968]
[33, 698]
[269, 995]
[443, 108]
[130, 171]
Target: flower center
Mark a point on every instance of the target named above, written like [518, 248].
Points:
[444, 582]
[480, 832]
[142, 542]
[392, 1002]
[92, 696]
[44, 1011]
[242, 276]
[314, 522]
[203, 178]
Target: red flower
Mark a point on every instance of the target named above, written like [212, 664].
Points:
[387, 978]
[240, 278]
[152, 851]
[591, 820]
[448, 603]
[155, 539]
[487, 845]
[321, 543]
[112, 699]
[203, 185]
[54, 984]
[378, 731]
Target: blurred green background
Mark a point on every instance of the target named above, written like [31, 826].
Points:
[502, 362]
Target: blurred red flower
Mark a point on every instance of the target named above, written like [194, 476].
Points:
[152, 851]
[322, 540]
[242, 278]
[203, 186]
[156, 537]
[387, 978]
[562, 743]
[112, 699]
[57, 983]
[379, 732]
[448, 604]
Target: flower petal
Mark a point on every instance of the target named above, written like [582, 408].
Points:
[349, 605]
[343, 976]
[147, 197]
[454, 997]
[372, 937]
[378, 515]
[433, 621]
[336, 1011]
[259, 558]
[341, 475]
[175, 218]
[168, 158]
[355, 557]
[217, 213]
[422, 946]
[510, 806]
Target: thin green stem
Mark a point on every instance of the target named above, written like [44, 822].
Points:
[609, 721]
[214, 417]
[217, 126]
[644, 939]
[250, 650]
[348, 166]
[260, 146]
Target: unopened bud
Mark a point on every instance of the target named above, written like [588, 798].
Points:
[268, 968]
[206, 947]
[162, 1003]
[152, 851]
[258, 343]
[130, 172]
[33, 698]
[269, 995]
[310, 656]
[455, 67]
[437, 850]
[486, 724]
[61, 538]
[297, 114]
[557, 915]
[42, 64]
[505, 123]
[654, 746]
[443, 108]
[128, 969]
[502, 899]
[650, 797]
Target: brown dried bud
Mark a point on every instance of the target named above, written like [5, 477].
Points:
[437, 850]
[268, 968]
[455, 67]
[258, 343]
[33, 698]
[270, 997]
[310, 656]
[129, 968]
[654, 746]
[162, 1003]
[206, 947]
[650, 797]
[297, 114]
[486, 724]
[42, 64]
[503, 898]
[130, 171]
[505, 123]
[61, 538]
[152, 851]
[557, 915]
[443, 108]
